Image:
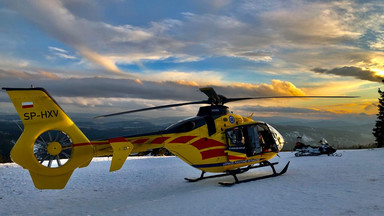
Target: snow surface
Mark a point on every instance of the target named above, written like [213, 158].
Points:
[322, 185]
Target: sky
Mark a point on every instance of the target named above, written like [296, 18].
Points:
[99, 57]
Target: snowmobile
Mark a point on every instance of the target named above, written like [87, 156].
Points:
[308, 150]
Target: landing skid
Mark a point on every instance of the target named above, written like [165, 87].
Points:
[242, 170]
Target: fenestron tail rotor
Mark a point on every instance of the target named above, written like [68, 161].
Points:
[53, 148]
[215, 99]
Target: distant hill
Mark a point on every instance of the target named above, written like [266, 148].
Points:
[341, 137]
[9, 133]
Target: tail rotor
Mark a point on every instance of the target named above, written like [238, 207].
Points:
[53, 148]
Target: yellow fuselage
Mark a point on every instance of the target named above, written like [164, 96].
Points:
[196, 147]
[202, 141]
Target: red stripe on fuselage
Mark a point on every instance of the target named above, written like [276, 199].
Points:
[159, 140]
[212, 153]
[119, 139]
[140, 141]
[100, 143]
[204, 143]
[236, 158]
[81, 144]
[92, 143]
[183, 139]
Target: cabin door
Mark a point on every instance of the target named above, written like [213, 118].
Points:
[254, 139]
[236, 148]
[243, 141]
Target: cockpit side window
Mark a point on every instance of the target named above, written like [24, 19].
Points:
[236, 137]
[268, 142]
[254, 141]
[279, 140]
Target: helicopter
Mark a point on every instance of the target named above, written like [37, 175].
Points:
[216, 140]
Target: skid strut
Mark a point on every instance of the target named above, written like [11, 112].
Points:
[242, 170]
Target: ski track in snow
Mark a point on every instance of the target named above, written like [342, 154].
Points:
[318, 185]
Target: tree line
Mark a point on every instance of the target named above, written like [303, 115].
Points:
[378, 130]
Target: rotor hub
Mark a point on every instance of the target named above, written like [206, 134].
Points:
[54, 148]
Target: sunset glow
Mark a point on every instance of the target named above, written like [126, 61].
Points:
[103, 56]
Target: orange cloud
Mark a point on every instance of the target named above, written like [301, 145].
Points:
[368, 108]
[187, 83]
[285, 87]
[49, 75]
[105, 62]
[335, 88]
[277, 88]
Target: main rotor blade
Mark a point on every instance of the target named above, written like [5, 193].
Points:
[211, 93]
[153, 108]
[273, 97]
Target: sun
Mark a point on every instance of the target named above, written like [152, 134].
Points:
[377, 66]
[378, 72]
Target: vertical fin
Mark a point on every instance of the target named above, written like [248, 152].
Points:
[40, 114]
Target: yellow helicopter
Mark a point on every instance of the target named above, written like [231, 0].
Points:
[51, 146]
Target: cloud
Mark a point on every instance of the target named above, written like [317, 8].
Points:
[311, 23]
[81, 34]
[105, 62]
[12, 63]
[378, 44]
[83, 102]
[279, 113]
[352, 71]
[361, 107]
[49, 75]
[159, 89]
[105, 95]
[17, 74]
[272, 109]
[276, 88]
[61, 53]
[269, 40]
[364, 108]
[371, 107]
[198, 78]
[9, 76]
[254, 55]
[56, 49]
[274, 32]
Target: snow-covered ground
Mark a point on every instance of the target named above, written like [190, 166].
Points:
[349, 185]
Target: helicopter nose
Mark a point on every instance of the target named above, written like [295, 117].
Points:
[279, 140]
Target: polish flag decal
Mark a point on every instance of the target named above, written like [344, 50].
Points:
[26, 105]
